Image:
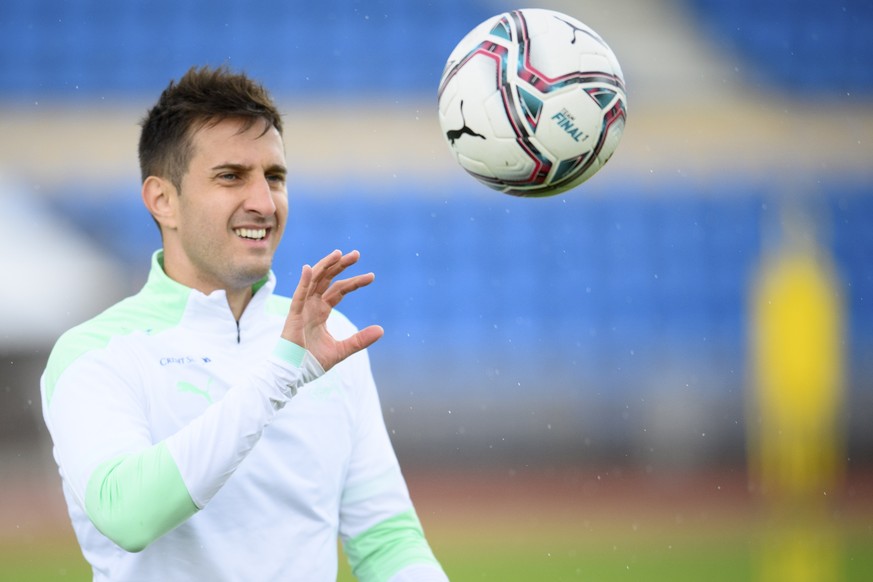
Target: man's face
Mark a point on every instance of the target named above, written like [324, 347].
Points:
[231, 209]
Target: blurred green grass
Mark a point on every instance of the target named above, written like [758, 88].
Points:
[480, 553]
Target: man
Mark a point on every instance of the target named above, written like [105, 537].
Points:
[206, 428]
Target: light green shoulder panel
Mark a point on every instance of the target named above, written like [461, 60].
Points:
[158, 307]
[278, 306]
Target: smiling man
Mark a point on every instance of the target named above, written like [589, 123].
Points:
[207, 428]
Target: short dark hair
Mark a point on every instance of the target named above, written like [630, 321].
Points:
[201, 97]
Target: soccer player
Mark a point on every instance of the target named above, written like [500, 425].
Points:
[207, 428]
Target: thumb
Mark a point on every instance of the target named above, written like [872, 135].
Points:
[361, 340]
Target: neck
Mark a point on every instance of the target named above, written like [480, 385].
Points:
[238, 301]
[238, 296]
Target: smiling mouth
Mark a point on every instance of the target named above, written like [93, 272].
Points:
[251, 233]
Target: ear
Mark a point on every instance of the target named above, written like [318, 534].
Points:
[160, 198]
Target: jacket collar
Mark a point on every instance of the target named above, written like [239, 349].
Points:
[204, 312]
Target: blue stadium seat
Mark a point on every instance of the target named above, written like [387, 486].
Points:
[818, 48]
[86, 48]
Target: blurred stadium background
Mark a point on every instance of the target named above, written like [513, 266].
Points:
[677, 355]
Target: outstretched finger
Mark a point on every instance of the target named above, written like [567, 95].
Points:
[301, 291]
[343, 287]
[324, 270]
[328, 268]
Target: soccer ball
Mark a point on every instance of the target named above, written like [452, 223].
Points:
[532, 102]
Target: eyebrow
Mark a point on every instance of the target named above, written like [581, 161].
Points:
[243, 168]
[277, 169]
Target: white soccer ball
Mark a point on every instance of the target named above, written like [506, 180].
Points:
[532, 102]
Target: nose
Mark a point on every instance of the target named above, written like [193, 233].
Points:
[259, 198]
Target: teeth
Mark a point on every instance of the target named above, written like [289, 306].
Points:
[253, 233]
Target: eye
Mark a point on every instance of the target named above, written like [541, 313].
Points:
[228, 177]
[278, 179]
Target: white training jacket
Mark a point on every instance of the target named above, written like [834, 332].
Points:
[195, 447]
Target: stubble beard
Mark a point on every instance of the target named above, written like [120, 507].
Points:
[247, 274]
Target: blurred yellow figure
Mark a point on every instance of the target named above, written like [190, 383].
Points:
[795, 432]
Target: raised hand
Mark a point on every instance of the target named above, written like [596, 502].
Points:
[316, 294]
